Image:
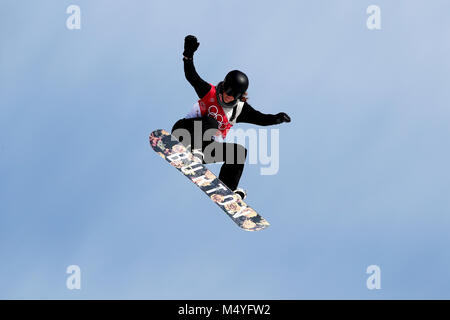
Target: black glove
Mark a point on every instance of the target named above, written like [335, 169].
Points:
[190, 46]
[282, 117]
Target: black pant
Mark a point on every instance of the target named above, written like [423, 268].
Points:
[232, 154]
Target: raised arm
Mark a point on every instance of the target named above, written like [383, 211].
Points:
[250, 115]
[201, 87]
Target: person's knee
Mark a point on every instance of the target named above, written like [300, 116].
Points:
[181, 132]
[179, 124]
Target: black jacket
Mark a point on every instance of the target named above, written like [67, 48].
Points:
[248, 113]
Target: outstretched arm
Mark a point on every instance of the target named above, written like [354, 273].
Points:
[201, 87]
[250, 115]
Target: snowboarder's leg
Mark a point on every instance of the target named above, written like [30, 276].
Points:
[231, 171]
[233, 155]
[192, 131]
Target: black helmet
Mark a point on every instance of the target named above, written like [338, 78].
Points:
[235, 84]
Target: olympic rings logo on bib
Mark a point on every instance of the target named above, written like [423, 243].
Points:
[215, 114]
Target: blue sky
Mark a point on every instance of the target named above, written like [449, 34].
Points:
[363, 176]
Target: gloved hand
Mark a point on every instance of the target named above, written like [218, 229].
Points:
[190, 46]
[282, 117]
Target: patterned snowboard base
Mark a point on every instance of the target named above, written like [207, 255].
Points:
[169, 148]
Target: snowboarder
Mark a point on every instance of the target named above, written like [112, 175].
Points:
[218, 108]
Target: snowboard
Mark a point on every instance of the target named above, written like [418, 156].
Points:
[170, 149]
